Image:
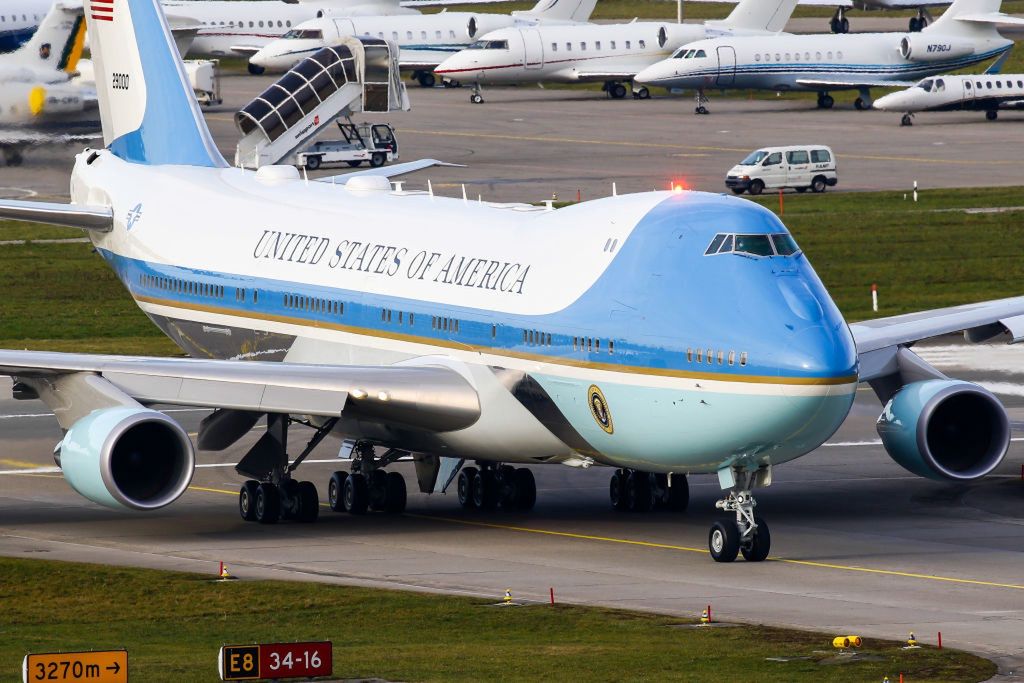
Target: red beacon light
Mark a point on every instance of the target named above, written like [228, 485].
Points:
[678, 186]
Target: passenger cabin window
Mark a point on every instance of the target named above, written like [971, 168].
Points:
[597, 44]
[612, 44]
[797, 157]
[628, 44]
[642, 44]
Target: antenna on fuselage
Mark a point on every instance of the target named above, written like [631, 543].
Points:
[430, 187]
[464, 198]
[615, 190]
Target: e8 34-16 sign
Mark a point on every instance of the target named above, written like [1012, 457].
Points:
[275, 660]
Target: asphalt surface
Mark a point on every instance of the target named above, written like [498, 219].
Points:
[859, 545]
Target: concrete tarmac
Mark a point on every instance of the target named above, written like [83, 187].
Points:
[859, 545]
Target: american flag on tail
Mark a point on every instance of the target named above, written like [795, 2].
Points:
[102, 10]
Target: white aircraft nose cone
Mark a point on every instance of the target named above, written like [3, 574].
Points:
[890, 102]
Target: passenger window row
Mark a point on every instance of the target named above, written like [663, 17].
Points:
[778, 244]
[252, 24]
[443, 324]
[612, 45]
[313, 304]
[988, 84]
[14, 17]
[534, 338]
[171, 284]
[387, 316]
[796, 56]
[712, 356]
[591, 344]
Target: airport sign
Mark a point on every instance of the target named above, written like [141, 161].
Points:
[276, 661]
[108, 666]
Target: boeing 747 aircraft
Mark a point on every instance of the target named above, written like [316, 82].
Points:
[659, 334]
[985, 92]
[964, 35]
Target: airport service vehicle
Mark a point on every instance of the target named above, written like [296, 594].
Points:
[39, 103]
[424, 40]
[986, 92]
[607, 53]
[373, 143]
[801, 167]
[964, 35]
[456, 332]
[18, 21]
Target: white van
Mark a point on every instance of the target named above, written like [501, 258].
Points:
[797, 166]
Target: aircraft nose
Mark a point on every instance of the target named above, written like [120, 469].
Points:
[891, 102]
[649, 75]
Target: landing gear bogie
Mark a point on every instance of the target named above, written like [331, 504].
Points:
[638, 491]
[488, 487]
[907, 120]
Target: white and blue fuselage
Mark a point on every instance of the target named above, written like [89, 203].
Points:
[698, 361]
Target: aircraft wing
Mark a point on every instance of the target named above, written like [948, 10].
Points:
[1012, 104]
[606, 74]
[391, 171]
[834, 83]
[431, 398]
[245, 50]
[879, 340]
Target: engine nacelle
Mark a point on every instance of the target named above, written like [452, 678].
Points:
[945, 429]
[920, 47]
[127, 457]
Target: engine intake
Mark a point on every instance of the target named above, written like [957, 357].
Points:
[945, 429]
[923, 48]
[128, 457]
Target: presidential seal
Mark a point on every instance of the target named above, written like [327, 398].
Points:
[599, 409]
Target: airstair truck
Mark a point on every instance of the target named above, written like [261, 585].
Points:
[357, 75]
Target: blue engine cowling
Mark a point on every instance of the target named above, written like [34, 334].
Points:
[945, 429]
[127, 457]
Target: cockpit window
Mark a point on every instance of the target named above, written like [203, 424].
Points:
[776, 244]
[304, 34]
[700, 54]
[754, 159]
[489, 45]
[926, 85]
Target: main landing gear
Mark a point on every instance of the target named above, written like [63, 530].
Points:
[426, 79]
[272, 495]
[921, 21]
[839, 23]
[489, 485]
[702, 100]
[638, 491]
[615, 90]
[825, 101]
[368, 486]
[748, 534]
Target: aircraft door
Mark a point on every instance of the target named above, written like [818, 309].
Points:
[533, 49]
[345, 27]
[726, 66]
[967, 90]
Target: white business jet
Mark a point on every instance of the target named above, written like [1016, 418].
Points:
[608, 53]
[657, 334]
[38, 101]
[964, 35]
[986, 92]
[19, 20]
[424, 40]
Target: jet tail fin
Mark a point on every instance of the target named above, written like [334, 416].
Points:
[561, 10]
[972, 16]
[58, 41]
[148, 110]
[759, 15]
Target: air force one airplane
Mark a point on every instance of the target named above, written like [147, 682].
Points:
[39, 103]
[964, 35]
[609, 53]
[986, 92]
[424, 40]
[659, 334]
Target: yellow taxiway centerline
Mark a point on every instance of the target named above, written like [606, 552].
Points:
[666, 546]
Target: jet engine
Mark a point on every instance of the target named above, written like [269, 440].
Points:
[127, 457]
[920, 47]
[945, 429]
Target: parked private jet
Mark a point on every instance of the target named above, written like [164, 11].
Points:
[986, 92]
[659, 334]
[839, 23]
[964, 35]
[424, 40]
[608, 53]
[19, 20]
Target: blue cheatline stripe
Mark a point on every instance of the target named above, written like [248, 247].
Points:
[13, 39]
[478, 330]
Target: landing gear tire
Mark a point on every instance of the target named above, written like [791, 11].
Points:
[377, 159]
[638, 491]
[256, 70]
[756, 187]
[724, 540]
[844, 26]
[485, 493]
[526, 489]
[268, 504]
[641, 93]
[396, 493]
[991, 115]
[377, 488]
[617, 490]
[336, 491]
[309, 502]
[476, 98]
[818, 185]
[915, 25]
[426, 79]
[757, 549]
[616, 91]
[247, 500]
[356, 494]
[701, 110]
[825, 102]
[907, 120]
[860, 104]
[465, 487]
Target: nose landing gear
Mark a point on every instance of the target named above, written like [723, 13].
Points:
[476, 97]
[748, 534]
[702, 100]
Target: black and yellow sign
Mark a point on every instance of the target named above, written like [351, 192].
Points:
[240, 662]
[109, 666]
[276, 661]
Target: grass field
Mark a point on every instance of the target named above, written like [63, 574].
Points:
[173, 624]
[921, 255]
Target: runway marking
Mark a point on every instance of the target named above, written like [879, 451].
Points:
[18, 463]
[702, 148]
[781, 560]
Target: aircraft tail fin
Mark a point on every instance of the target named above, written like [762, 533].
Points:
[759, 15]
[561, 10]
[58, 41]
[970, 16]
[148, 110]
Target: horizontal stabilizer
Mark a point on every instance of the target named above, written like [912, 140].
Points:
[96, 218]
[391, 171]
[992, 18]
